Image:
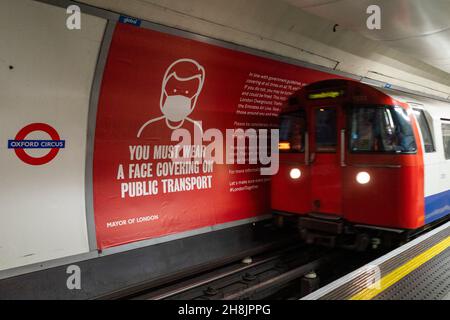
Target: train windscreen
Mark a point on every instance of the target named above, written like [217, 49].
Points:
[381, 129]
[292, 131]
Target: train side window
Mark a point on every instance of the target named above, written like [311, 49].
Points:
[446, 139]
[292, 131]
[425, 130]
[381, 129]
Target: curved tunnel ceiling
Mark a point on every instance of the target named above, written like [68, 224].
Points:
[418, 28]
[303, 30]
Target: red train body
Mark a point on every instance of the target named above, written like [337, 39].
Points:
[332, 178]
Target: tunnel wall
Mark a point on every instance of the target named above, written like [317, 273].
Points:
[280, 28]
[79, 98]
[46, 78]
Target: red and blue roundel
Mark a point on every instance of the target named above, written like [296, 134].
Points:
[20, 144]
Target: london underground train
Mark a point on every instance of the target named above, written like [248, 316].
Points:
[361, 165]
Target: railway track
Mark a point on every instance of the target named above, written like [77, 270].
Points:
[285, 240]
[290, 271]
[287, 269]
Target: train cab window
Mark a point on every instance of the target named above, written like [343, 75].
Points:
[425, 130]
[292, 131]
[381, 129]
[446, 139]
[326, 129]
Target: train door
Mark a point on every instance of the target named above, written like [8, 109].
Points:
[326, 140]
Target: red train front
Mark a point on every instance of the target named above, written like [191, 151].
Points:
[350, 163]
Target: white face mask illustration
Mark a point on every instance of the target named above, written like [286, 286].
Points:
[177, 107]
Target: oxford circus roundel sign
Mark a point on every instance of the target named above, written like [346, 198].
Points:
[20, 144]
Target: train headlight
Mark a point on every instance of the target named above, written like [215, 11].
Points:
[295, 173]
[363, 177]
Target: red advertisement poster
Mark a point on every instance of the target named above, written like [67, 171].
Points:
[155, 83]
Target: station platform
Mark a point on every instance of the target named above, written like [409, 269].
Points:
[418, 270]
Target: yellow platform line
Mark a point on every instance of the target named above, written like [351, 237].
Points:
[402, 271]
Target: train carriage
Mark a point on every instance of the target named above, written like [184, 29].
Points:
[360, 164]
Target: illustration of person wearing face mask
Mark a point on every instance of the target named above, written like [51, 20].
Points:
[181, 87]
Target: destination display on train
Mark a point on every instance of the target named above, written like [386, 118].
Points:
[326, 95]
[156, 83]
